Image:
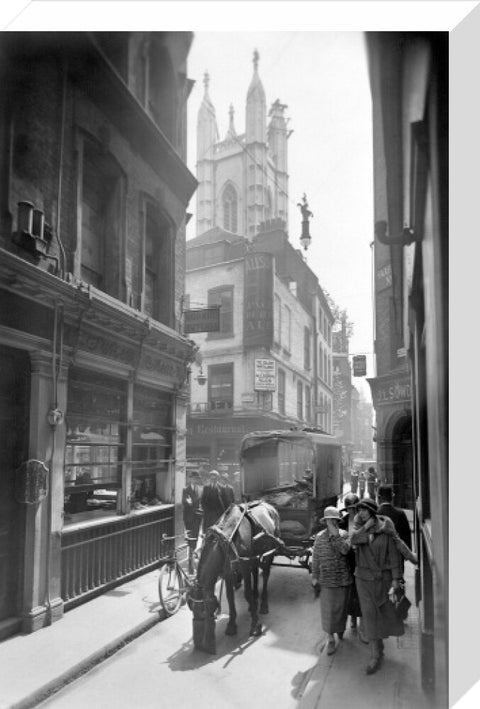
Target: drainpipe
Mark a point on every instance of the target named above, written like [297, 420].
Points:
[63, 259]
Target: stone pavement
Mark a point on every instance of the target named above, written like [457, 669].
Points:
[33, 666]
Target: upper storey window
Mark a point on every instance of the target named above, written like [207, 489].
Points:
[156, 86]
[157, 276]
[101, 210]
[229, 202]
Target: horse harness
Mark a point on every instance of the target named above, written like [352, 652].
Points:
[258, 531]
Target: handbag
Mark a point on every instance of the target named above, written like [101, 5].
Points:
[402, 604]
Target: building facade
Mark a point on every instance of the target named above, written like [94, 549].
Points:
[270, 365]
[409, 82]
[93, 196]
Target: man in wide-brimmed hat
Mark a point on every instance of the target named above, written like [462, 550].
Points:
[331, 572]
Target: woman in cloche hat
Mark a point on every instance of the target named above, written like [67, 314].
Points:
[378, 568]
[331, 572]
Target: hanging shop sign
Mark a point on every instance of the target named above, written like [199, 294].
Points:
[359, 365]
[265, 375]
[202, 320]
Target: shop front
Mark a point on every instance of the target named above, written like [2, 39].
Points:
[92, 393]
[217, 439]
[391, 396]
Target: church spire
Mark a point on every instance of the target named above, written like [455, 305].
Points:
[207, 137]
[231, 132]
[256, 112]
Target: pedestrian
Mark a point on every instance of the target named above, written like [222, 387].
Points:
[354, 482]
[348, 524]
[361, 484]
[192, 512]
[227, 490]
[212, 500]
[331, 573]
[398, 516]
[237, 486]
[371, 482]
[378, 568]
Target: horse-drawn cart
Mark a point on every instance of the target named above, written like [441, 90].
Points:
[299, 473]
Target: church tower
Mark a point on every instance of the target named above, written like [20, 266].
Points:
[207, 136]
[255, 152]
[243, 179]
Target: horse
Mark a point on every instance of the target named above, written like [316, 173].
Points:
[243, 540]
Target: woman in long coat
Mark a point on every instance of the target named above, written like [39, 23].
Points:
[378, 568]
[331, 572]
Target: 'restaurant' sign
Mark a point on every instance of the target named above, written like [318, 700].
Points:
[258, 300]
[265, 375]
[204, 320]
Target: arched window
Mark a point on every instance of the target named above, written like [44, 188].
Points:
[229, 202]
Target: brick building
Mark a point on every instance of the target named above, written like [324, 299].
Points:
[93, 201]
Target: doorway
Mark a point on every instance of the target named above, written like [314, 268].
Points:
[14, 407]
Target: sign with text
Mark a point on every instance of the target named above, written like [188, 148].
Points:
[390, 390]
[359, 365]
[265, 375]
[258, 300]
[204, 320]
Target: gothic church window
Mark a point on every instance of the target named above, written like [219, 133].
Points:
[229, 202]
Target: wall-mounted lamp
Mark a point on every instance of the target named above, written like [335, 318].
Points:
[305, 239]
[201, 378]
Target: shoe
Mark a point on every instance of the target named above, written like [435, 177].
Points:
[331, 647]
[373, 666]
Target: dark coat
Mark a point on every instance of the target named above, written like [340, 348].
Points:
[228, 494]
[213, 504]
[399, 519]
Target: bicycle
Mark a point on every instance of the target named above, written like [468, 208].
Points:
[174, 581]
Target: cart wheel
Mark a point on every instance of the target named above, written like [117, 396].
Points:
[170, 588]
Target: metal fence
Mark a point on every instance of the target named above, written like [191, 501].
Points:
[100, 557]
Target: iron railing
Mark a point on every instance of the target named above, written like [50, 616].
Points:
[100, 557]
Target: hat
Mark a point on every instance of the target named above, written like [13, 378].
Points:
[215, 473]
[350, 500]
[193, 473]
[330, 513]
[369, 505]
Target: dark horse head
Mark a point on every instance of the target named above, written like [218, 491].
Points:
[243, 540]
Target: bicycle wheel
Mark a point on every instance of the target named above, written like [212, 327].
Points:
[170, 588]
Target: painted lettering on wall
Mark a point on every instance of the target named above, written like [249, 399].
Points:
[258, 300]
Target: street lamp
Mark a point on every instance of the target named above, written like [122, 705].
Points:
[305, 238]
[201, 378]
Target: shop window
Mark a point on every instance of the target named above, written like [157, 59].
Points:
[222, 296]
[281, 391]
[95, 445]
[220, 387]
[102, 190]
[157, 300]
[151, 448]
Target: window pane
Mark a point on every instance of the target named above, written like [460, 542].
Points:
[95, 444]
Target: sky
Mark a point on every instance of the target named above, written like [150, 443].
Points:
[323, 79]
